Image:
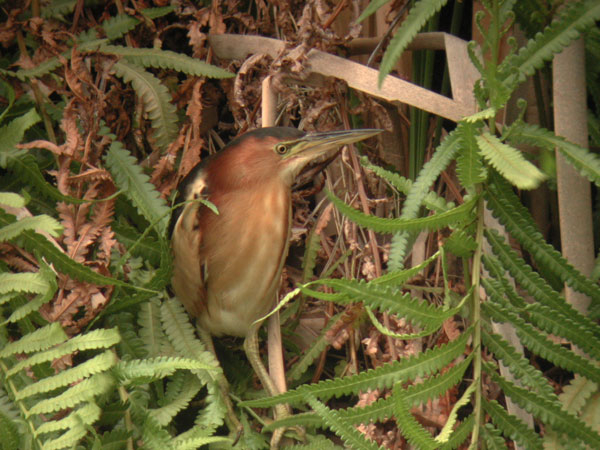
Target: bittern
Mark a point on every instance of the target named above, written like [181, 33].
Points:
[227, 266]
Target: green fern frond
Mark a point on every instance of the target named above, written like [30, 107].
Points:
[493, 437]
[11, 199]
[512, 427]
[151, 331]
[435, 386]
[26, 167]
[68, 439]
[399, 277]
[461, 243]
[556, 323]
[534, 284]
[86, 414]
[130, 178]
[40, 339]
[155, 368]
[36, 223]
[156, 99]
[431, 201]
[373, 6]
[84, 391]
[518, 365]
[586, 162]
[99, 363]
[382, 225]
[385, 376]
[576, 393]
[58, 8]
[47, 66]
[461, 433]
[419, 14]
[414, 433]
[469, 166]
[199, 438]
[175, 402]
[506, 206]
[12, 133]
[34, 242]
[32, 282]
[101, 338]
[118, 26]
[165, 59]
[180, 334]
[539, 343]
[446, 433]
[48, 275]
[546, 318]
[574, 19]
[509, 162]
[420, 188]
[313, 352]
[548, 412]
[391, 301]
[350, 435]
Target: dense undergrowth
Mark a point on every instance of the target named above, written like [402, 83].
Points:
[105, 108]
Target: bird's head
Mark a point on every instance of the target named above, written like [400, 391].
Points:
[272, 153]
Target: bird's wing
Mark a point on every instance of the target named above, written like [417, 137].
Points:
[189, 271]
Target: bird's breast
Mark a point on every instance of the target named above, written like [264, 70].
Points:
[245, 249]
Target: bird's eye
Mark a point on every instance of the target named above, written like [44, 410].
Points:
[281, 149]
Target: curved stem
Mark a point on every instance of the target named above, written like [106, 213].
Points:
[476, 308]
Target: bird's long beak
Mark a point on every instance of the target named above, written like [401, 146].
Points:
[313, 152]
[312, 146]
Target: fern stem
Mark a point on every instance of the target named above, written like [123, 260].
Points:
[124, 395]
[476, 307]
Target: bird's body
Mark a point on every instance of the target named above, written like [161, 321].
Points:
[239, 261]
[227, 265]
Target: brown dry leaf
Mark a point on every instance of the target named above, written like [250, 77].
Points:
[197, 39]
[451, 329]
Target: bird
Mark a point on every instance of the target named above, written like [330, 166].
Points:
[228, 255]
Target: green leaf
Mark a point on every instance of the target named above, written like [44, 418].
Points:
[373, 6]
[82, 392]
[518, 365]
[40, 339]
[382, 377]
[156, 99]
[574, 18]
[443, 155]
[419, 14]
[97, 364]
[414, 433]
[156, 368]
[349, 434]
[431, 200]
[507, 207]
[383, 225]
[548, 412]
[34, 242]
[41, 223]
[130, 178]
[509, 162]
[31, 282]
[584, 161]
[11, 199]
[165, 59]
[470, 168]
[101, 338]
[12, 134]
[512, 427]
